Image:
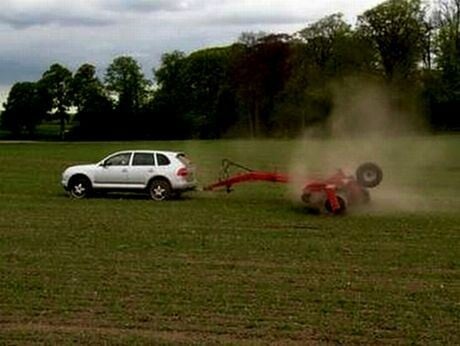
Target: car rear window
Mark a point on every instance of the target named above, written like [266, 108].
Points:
[162, 160]
[184, 159]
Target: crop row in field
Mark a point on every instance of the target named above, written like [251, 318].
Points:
[250, 266]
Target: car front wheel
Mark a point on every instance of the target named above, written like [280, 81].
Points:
[80, 187]
[160, 190]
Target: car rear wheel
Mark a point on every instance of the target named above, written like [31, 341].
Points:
[80, 187]
[160, 190]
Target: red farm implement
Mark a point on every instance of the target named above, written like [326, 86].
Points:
[333, 194]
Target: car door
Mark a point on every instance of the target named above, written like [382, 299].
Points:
[142, 169]
[113, 171]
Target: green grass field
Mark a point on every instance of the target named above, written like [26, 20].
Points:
[247, 267]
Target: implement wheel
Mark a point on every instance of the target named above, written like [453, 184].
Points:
[342, 206]
[369, 175]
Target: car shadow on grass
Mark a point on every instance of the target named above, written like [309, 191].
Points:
[127, 196]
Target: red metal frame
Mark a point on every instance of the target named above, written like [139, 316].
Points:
[250, 176]
[330, 186]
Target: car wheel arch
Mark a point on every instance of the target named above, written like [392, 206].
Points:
[158, 177]
[80, 176]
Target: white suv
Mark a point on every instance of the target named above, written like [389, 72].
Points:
[159, 173]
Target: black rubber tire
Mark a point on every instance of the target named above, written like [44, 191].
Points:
[369, 174]
[160, 190]
[342, 204]
[80, 187]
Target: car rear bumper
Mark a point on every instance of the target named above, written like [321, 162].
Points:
[185, 186]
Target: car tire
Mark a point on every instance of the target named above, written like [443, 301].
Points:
[80, 187]
[369, 174]
[160, 190]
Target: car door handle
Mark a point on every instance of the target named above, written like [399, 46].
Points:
[124, 170]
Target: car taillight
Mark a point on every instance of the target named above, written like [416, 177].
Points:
[182, 172]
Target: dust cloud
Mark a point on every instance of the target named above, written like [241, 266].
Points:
[372, 123]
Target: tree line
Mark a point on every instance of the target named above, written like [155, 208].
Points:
[262, 85]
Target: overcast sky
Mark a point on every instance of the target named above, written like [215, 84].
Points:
[37, 33]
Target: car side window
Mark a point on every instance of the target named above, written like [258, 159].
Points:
[118, 160]
[162, 160]
[143, 159]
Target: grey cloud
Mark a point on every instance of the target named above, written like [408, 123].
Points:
[153, 6]
[253, 19]
[86, 13]
[22, 15]
[158, 5]
[29, 20]
[12, 71]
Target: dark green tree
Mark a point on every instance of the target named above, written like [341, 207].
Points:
[194, 97]
[56, 81]
[124, 77]
[170, 102]
[321, 38]
[84, 85]
[211, 108]
[260, 73]
[94, 108]
[323, 53]
[125, 81]
[250, 39]
[448, 41]
[443, 88]
[25, 108]
[170, 73]
[397, 30]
